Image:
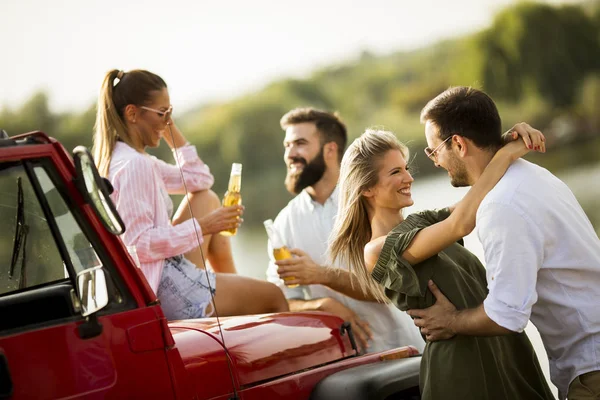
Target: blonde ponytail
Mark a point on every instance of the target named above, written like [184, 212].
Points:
[109, 125]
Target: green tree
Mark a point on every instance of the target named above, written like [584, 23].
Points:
[34, 115]
[540, 48]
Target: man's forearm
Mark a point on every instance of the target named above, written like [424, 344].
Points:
[475, 322]
[340, 280]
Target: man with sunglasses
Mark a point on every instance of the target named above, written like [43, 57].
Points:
[542, 253]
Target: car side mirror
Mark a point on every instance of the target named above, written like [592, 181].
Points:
[92, 290]
[95, 191]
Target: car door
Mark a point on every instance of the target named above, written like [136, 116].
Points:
[47, 349]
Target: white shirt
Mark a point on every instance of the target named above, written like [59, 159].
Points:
[543, 264]
[305, 224]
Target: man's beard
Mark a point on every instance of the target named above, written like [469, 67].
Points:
[297, 181]
[459, 176]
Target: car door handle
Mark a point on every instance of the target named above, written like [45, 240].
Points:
[6, 386]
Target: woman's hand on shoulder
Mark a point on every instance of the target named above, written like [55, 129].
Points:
[372, 251]
[221, 219]
[531, 139]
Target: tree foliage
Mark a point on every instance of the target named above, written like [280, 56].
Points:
[539, 48]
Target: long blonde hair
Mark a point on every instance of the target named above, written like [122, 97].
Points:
[352, 228]
[133, 87]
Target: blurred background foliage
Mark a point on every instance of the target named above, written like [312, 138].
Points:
[541, 63]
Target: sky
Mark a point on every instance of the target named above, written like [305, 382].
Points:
[208, 50]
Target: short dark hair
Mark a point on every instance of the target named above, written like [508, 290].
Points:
[467, 112]
[329, 125]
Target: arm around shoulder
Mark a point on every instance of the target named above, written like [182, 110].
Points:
[434, 238]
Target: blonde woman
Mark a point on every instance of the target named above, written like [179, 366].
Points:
[134, 112]
[375, 186]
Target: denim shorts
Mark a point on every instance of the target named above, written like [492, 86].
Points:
[184, 292]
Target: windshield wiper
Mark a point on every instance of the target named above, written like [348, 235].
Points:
[21, 231]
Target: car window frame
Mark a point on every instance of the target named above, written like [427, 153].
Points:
[127, 301]
[117, 287]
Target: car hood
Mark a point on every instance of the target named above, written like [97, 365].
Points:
[262, 347]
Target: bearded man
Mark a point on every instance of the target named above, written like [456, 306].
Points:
[313, 148]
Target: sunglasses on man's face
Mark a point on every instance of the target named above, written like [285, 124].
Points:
[164, 115]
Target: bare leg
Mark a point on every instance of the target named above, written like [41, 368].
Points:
[220, 255]
[216, 248]
[240, 295]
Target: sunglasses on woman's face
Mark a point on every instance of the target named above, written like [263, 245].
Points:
[164, 115]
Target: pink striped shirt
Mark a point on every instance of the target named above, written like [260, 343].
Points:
[142, 186]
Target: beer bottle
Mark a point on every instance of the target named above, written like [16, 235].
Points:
[232, 196]
[280, 250]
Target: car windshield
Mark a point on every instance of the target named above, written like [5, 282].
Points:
[27, 241]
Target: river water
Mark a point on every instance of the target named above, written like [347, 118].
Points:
[249, 245]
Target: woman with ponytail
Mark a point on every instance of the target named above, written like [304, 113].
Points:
[393, 259]
[134, 112]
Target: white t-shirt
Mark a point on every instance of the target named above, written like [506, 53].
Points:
[305, 224]
[543, 263]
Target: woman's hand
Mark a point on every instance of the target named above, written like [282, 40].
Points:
[173, 136]
[533, 139]
[221, 219]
